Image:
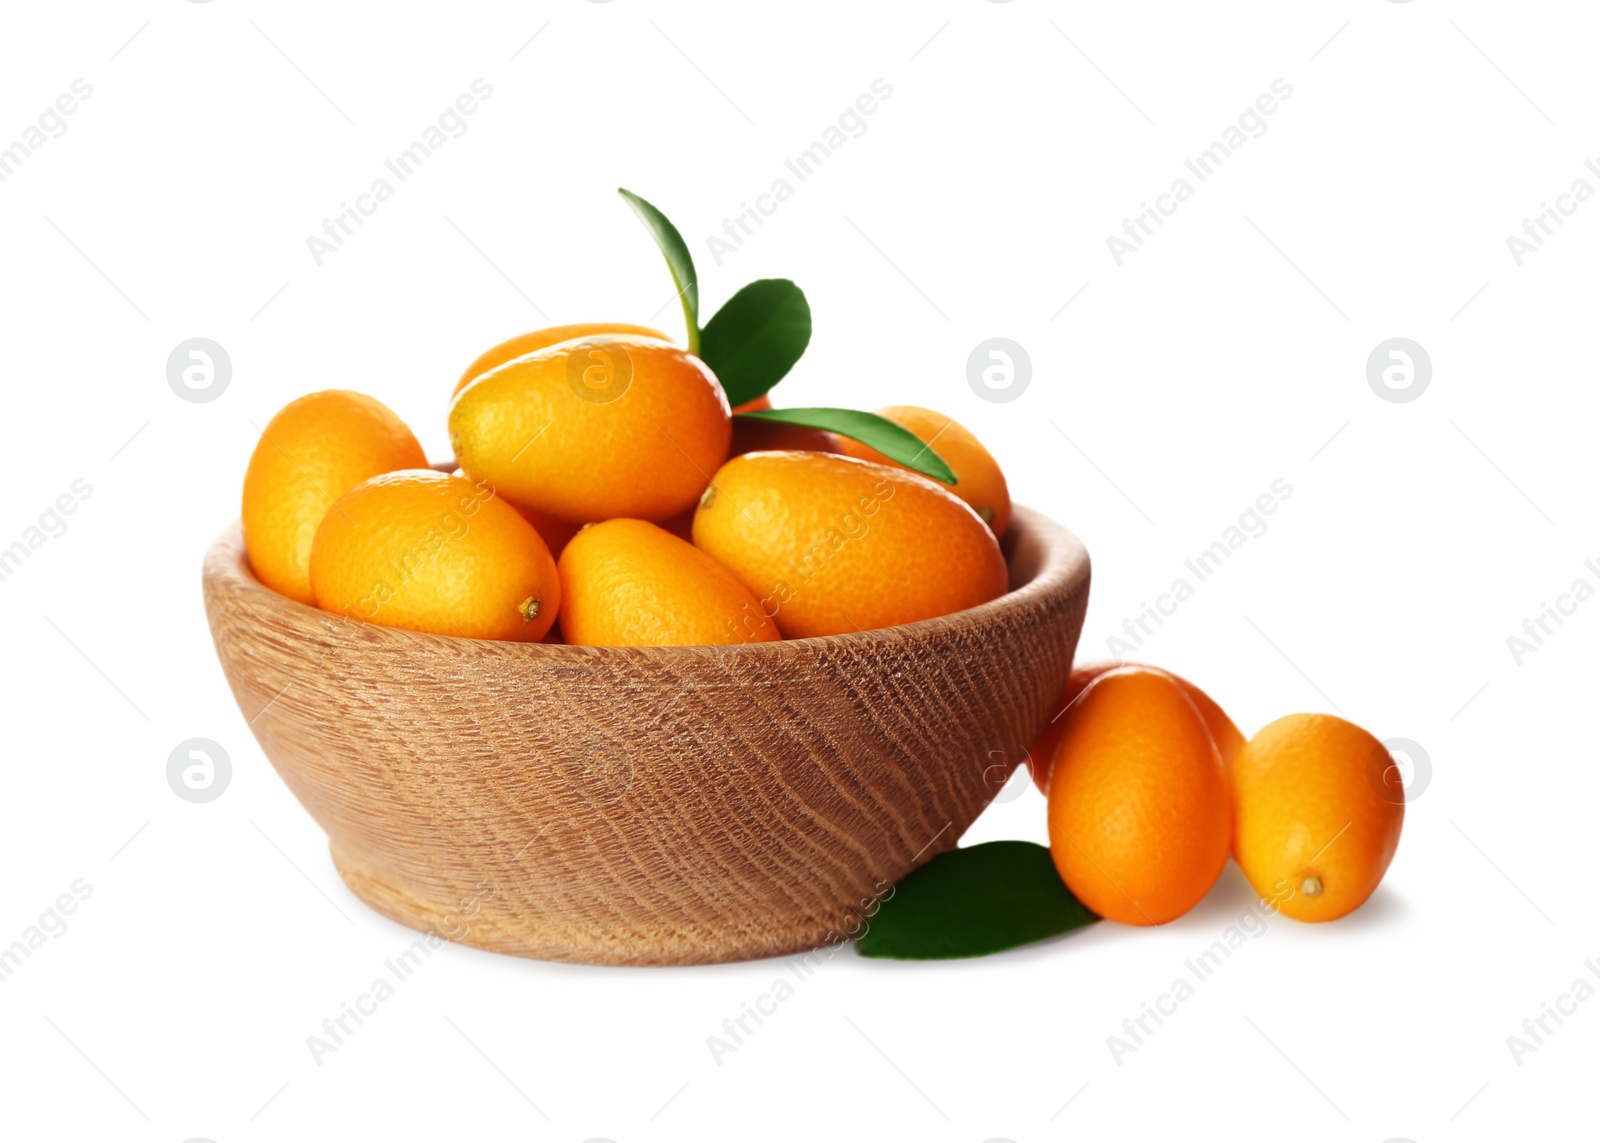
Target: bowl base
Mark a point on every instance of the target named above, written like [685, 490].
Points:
[466, 921]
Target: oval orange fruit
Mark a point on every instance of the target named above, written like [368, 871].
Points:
[628, 583]
[599, 427]
[430, 552]
[526, 343]
[316, 449]
[979, 480]
[1040, 755]
[1317, 809]
[830, 544]
[1138, 803]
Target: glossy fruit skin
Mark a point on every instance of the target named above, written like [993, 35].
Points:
[762, 402]
[979, 480]
[596, 428]
[1040, 755]
[313, 451]
[628, 583]
[430, 552]
[526, 343]
[1139, 802]
[829, 544]
[1318, 807]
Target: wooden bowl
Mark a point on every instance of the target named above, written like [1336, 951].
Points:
[647, 805]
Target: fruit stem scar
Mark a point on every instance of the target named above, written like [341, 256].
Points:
[528, 609]
[1311, 885]
[708, 496]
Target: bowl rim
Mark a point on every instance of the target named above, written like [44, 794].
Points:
[1063, 566]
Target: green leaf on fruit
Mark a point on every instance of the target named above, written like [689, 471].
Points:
[972, 902]
[756, 337]
[898, 444]
[679, 261]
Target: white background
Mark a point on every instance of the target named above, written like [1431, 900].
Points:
[1173, 390]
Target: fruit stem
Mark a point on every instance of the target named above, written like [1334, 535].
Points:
[1311, 885]
[528, 609]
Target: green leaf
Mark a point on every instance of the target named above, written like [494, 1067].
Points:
[972, 902]
[898, 444]
[678, 258]
[755, 339]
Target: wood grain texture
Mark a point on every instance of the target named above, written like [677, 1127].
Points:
[647, 805]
